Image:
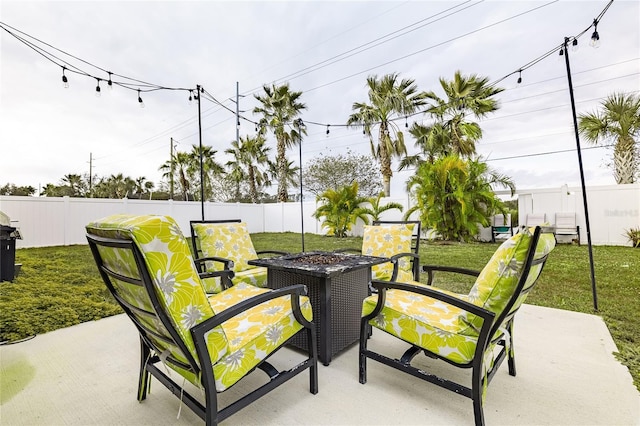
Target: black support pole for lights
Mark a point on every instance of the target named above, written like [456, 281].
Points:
[301, 204]
[584, 189]
[200, 142]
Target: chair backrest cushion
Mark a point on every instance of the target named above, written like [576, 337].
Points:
[385, 241]
[536, 219]
[499, 278]
[170, 265]
[229, 240]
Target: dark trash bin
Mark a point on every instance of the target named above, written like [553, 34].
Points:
[7, 253]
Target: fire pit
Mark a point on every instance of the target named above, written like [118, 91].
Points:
[321, 259]
[336, 284]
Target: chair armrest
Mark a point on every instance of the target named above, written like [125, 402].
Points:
[276, 252]
[225, 276]
[227, 263]
[394, 259]
[295, 291]
[430, 269]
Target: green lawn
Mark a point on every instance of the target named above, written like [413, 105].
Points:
[60, 286]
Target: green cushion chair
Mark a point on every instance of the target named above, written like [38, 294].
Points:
[226, 244]
[473, 330]
[210, 340]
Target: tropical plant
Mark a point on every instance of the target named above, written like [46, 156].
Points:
[619, 121]
[341, 209]
[454, 196]
[633, 234]
[12, 189]
[280, 110]
[115, 186]
[389, 98]
[376, 209]
[451, 131]
[335, 171]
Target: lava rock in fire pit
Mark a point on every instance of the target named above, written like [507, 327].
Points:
[320, 259]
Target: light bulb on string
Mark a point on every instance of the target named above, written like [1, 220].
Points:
[109, 82]
[561, 54]
[595, 37]
[328, 129]
[574, 45]
[190, 96]
[97, 87]
[406, 123]
[140, 100]
[65, 81]
[519, 76]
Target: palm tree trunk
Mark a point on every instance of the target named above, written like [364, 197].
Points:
[253, 192]
[281, 160]
[385, 160]
[624, 161]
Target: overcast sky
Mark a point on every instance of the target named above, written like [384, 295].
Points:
[324, 49]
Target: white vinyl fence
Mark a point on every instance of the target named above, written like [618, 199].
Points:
[45, 221]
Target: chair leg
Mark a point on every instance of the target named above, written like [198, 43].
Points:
[313, 354]
[476, 395]
[364, 336]
[511, 356]
[144, 379]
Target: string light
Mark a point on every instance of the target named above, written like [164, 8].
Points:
[595, 37]
[97, 87]
[109, 82]
[140, 100]
[190, 96]
[406, 123]
[574, 45]
[561, 54]
[519, 76]
[65, 81]
[328, 129]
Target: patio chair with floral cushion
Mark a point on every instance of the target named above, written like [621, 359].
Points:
[226, 244]
[397, 240]
[472, 330]
[212, 341]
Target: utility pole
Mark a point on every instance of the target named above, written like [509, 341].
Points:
[171, 172]
[238, 113]
[90, 175]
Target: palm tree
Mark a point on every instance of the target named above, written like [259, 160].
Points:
[280, 109]
[376, 209]
[341, 209]
[210, 168]
[619, 121]
[389, 98]
[290, 173]
[249, 155]
[180, 165]
[452, 131]
[76, 184]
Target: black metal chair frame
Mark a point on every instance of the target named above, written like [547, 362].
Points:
[489, 328]
[227, 263]
[149, 353]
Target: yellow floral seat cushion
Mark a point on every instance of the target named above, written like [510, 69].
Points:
[236, 346]
[230, 241]
[386, 241]
[255, 333]
[445, 329]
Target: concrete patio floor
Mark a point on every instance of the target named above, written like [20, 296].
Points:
[87, 375]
